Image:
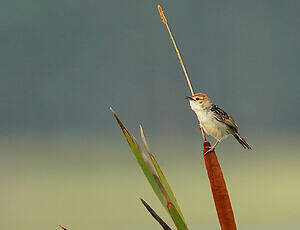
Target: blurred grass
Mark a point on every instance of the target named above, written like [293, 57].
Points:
[89, 181]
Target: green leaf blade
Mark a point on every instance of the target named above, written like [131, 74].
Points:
[177, 219]
[142, 161]
[165, 184]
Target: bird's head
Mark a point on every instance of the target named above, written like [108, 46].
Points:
[199, 101]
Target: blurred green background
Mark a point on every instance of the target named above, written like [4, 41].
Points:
[63, 63]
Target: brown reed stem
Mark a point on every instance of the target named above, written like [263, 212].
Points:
[164, 20]
[219, 190]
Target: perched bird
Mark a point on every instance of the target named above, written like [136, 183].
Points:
[214, 120]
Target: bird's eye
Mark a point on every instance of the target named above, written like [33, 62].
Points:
[197, 98]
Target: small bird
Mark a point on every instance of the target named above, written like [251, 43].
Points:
[214, 120]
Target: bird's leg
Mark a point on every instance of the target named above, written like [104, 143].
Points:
[202, 131]
[212, 148]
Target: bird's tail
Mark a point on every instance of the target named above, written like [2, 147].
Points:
[242, 141]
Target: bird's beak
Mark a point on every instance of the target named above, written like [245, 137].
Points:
[190, 98]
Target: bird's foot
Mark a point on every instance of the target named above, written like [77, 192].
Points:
[209, 150]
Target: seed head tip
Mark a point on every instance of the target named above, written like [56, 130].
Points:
[111, 109]
[161, 13]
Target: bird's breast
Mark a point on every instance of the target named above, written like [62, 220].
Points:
[210, 125]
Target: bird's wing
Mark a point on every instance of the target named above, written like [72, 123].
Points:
[222, 116]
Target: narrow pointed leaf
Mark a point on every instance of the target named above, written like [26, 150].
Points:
[161, 175]
[165, 183]
[156, 216]
[142, 161]
[62, 227]
[179, 222]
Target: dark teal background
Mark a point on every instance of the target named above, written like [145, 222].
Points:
[63, 63]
